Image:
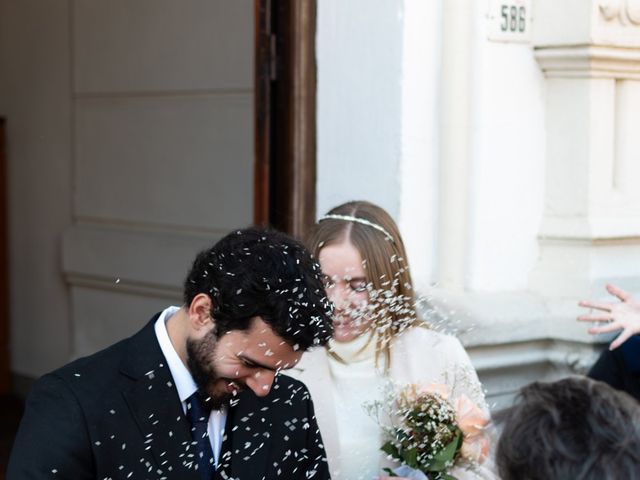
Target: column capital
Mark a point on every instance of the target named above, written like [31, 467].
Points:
[607, 23]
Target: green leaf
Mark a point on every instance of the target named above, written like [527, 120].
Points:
[390, 449]
[410, 457]
[445, 456]
[390, 473]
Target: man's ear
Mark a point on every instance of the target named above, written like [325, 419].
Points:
[200, 312]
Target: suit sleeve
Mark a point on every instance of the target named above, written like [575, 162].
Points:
[52, 440]
[609, 369]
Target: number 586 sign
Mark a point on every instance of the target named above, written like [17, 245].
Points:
[509, 20]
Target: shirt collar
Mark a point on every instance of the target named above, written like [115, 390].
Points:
[182, 378]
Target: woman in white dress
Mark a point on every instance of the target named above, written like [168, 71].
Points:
[377, 337]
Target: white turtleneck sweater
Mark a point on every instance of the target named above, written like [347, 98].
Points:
[356, 381]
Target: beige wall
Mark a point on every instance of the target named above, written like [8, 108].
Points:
[130, 148]
[35, 98]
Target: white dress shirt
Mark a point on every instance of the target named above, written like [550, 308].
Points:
[185, 384]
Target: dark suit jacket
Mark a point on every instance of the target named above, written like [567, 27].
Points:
[620, 368]
[117, 415]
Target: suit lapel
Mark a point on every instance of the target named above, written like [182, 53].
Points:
[224, 469]
[245, 448]
[154, 403]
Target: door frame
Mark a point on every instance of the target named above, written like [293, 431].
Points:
[285, 115]
[5, 367]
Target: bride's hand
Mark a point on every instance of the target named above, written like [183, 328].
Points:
[623, 315]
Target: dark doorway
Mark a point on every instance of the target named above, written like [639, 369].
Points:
[10, 406]
[285, 114]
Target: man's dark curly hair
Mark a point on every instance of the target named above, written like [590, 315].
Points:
[257, 272]
[572, 429]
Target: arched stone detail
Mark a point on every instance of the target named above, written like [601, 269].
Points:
[627, 12]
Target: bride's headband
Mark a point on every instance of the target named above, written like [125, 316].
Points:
[362, 221]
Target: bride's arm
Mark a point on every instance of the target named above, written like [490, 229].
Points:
[463, 376]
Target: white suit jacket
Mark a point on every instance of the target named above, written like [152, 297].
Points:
[418, 355]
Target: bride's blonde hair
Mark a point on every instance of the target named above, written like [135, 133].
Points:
[384, 260]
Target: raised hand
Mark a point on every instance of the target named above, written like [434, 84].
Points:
[623, 315]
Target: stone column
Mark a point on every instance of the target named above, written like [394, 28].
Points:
[589, 51]
[455, 139]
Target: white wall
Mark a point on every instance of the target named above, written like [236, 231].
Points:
[508, 160]
[359, 58]
[418, 171]
[379, 130]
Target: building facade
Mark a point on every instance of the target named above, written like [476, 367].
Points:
[501, 135]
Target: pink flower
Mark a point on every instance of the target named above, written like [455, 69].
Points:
[438, 388]
[412, 392]
[472, 421]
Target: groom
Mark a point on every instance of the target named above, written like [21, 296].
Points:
[196, 394]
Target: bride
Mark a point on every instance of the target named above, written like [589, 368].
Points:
[378, 337]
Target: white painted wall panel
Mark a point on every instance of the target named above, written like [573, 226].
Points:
[34, 98]
[508, 165]
[163, 152]
[626, 169]
[151, 45]
[420, 129]
[359, 52]
[182, 162]
[130, 258]
[131, 118]
[103, 317]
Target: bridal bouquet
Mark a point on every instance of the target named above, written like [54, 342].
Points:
[428, 432]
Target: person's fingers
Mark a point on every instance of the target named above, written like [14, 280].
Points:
[610, 327]
[618, 292]
[620, 339]
[595, 318]
[605, 307]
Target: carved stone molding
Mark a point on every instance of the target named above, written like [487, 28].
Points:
[589, 62]
[626, 12]
[605, 23]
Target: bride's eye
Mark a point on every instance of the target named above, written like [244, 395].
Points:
[358, 286]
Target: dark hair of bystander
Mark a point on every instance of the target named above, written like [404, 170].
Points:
[575, 428]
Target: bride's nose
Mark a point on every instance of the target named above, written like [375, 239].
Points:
[339, 295]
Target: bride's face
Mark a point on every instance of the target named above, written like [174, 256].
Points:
[346, 284]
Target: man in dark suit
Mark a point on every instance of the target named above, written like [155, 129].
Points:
[196, 394]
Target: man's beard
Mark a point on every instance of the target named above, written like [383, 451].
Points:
[200, 355]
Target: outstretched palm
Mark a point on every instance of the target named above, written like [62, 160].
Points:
[623, 315]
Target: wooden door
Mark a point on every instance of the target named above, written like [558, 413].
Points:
[285, 114]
